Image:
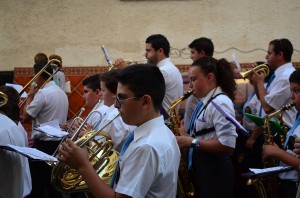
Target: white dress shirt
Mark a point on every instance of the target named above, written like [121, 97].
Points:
[224, 131]
[15, 179]
[48, 104]
[173, 81]
[149, 166]
[279, 94]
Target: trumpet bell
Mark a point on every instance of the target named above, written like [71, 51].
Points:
[261, 69]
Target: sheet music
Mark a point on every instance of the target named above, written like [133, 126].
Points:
[231, 119]
[18, 88]
[29, 152]
[266, 170]
[52, 131]
[106, 55]
[236, 62]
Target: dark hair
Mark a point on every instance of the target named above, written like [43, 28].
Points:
[223, 72]
[295, 77]
[284, 46]
[55, 56]
[158, 41]
[40, 57]
[11, 108]
[144, 79]
[110, 80]
[39, 66]
[92, 82]
[204, 44]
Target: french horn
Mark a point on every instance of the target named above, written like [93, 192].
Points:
[101, 156]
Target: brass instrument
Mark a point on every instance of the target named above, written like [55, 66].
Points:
[32, 83]
[111, 66]
[268, 137]
[263, 68]
[4, 99]
[82, 125]
[101, 155]
[267, 186]
[185, 187]
[76, 119]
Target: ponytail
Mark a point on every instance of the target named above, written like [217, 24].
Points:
[225, 78]
[222, 71]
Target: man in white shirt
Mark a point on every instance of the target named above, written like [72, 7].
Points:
[276, 92]
[44, 104]
[157, 53]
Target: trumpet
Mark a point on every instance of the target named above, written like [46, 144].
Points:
[101, 155]
[32, 83]
[127, 61]
[262, 69]
[4, 99]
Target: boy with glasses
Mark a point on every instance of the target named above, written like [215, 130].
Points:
[148, 165]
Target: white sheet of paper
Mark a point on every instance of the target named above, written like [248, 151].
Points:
[18, 88]
[32, 153]
[265, 170]
[236, 62]
[52, 131]
[230, 118]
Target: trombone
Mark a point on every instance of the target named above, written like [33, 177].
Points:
[31, 82]
[112, 66]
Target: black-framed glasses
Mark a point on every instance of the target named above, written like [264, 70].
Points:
[119, 101]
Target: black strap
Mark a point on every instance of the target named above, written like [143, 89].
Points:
[204, 108]
[164, 113]
[204, 131]
[208, 130]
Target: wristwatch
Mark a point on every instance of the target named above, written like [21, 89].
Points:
[194, 143]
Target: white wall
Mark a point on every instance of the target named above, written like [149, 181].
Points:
[76, 29]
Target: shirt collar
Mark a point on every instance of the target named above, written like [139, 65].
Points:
[50, 83]
[163, 62]
[211, 94]
[280, 69]
[145, 128]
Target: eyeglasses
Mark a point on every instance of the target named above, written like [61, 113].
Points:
[119, 101]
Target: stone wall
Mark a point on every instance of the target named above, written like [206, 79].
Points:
[76, 29]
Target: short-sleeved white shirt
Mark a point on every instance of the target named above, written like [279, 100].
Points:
[48, 104]
[291, 175]
[118, 130]
[15, 179]
[279, 94]
[225, 131]
[149, 167]
[173, 81]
